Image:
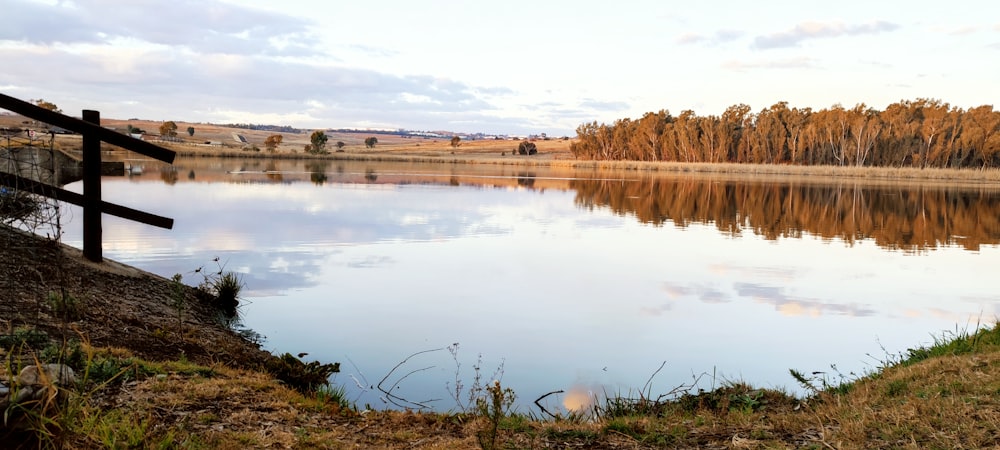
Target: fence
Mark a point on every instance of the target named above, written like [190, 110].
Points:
[93, 206]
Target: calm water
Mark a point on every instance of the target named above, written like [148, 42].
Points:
[584, 282]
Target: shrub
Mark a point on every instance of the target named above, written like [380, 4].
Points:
[303, 377]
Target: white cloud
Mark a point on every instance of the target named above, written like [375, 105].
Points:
[817, 30]
[476, 68]
[719, 37]
[800, 62]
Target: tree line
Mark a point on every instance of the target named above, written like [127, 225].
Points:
[920, 133]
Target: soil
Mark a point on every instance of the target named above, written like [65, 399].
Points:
[116, 305]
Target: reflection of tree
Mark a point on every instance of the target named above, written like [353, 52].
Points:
[191, 174]
[272, 172]
[897, 217]
[526, 179]
[317, 171]
[169, 175]
[370, 175]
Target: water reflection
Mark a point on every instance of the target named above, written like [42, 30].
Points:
[910, 218]
[383, 260]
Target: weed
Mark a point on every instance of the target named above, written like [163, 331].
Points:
[819, 382]
[24, 337]
[586, 436]
[115, 430]
[65, 306]
[333, 394]
[494, 406]
[221, 289]
[70, 353]
[896, 388]
[476, 389]
[303, 377]
[178, 300]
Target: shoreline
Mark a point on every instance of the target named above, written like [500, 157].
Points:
[563, 160]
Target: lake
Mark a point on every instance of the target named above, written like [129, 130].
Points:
[580, 281]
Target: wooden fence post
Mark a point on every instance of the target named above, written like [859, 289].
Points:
[92, 190]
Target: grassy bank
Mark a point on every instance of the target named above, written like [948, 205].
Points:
[940, 396]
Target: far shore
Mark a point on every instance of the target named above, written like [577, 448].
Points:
[558, 158]
[552, 153]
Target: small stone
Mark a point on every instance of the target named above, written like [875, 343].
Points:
[46, 374]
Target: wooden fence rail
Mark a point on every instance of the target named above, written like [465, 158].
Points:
[90, 200]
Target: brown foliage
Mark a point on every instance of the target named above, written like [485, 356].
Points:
[922, 133]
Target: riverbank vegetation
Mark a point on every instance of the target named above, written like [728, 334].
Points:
[922, 133]
[938, 396]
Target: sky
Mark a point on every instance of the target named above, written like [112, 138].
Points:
[511, 67]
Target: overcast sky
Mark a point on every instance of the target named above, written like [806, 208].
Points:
[511, 66]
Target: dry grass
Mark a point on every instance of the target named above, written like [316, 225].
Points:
[945, 397]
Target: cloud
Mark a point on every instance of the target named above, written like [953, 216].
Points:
[222, 87]
[204, 26]
[211, 61]
[817, 30]
[603, 105]
[961, 31]
[691, 38]
[800, 62]
[719, 37]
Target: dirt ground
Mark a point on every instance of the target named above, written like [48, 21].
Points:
[119, 306]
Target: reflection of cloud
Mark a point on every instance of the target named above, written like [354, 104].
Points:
[971, 319]
[815, 30]
[655, 310]
[714, 297]
[704, 293]
[414, 219]
[792, 306]
[990, 305]
[675, 291]
[578, 398]
[777, 273]
[370, 262]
